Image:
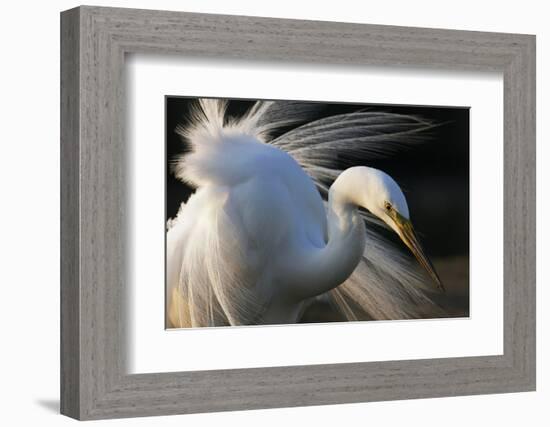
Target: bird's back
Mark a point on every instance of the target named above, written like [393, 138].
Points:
[253, 204]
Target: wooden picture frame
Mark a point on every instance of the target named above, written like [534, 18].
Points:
[94, 41]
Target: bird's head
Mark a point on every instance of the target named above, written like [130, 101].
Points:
[383, 197]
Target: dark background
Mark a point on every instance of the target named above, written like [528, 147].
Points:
[434, 177]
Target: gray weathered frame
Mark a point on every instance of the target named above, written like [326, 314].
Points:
[94, 42]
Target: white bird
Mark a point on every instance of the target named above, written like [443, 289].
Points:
[256, 243]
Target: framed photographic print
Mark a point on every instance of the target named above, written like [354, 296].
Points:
[262, 213]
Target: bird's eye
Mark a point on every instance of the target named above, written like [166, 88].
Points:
[387, 205]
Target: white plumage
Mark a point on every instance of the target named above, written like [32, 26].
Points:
[256, 242]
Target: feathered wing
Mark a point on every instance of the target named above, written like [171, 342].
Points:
[208, 269]
[210, 275]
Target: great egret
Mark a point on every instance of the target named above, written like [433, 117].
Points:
[256, 242]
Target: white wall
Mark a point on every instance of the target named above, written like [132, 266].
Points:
[29, 226]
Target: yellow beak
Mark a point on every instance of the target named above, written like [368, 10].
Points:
[405, 230]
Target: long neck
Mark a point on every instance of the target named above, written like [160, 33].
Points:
[345, 246]
[325, 268]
